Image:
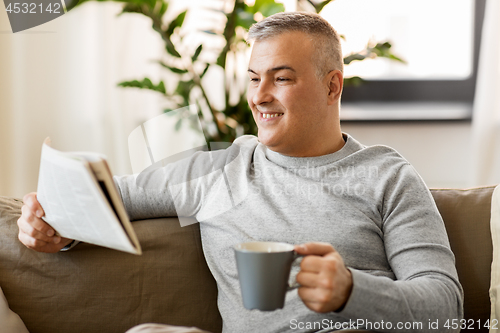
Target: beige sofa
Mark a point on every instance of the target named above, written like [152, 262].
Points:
[93, 289]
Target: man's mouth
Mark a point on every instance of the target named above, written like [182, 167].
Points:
[271, 115]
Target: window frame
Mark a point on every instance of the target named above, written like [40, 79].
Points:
[439, 91]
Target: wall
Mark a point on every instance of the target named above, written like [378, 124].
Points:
[439, 151]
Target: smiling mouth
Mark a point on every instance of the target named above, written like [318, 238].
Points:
[271, 115]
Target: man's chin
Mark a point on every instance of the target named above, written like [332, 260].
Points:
[269, 141]
[264, 139]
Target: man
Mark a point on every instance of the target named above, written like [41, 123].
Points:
[374, 243]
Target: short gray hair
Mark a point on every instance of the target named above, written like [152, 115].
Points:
[328, 54]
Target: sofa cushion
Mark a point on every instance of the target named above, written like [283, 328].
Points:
[466, 214]
[94, 289]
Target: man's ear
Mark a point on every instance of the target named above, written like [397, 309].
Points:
[335, 85]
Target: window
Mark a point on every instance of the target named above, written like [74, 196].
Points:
[438, 39]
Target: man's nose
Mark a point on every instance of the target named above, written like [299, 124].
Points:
[262, 93]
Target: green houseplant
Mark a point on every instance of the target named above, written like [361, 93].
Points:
[190, 67]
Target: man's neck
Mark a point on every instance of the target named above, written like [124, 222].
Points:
[326, 147]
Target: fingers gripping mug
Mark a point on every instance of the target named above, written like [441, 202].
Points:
[263, 271]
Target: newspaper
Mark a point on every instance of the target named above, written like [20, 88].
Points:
[81, 201]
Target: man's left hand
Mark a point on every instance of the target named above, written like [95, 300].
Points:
[325, 282]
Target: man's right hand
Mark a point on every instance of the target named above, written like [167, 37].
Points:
[34, 232]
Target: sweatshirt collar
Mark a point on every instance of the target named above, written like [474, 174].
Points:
[351, 146]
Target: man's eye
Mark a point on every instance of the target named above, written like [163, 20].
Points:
[254, 80]
[282, 79]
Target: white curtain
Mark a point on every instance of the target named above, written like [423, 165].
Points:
[486, 122]
[60, 80]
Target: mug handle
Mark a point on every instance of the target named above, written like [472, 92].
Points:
[295, 284]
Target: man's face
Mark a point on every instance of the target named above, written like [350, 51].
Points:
[288, 101]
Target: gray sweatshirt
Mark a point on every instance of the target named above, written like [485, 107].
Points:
[368, 202]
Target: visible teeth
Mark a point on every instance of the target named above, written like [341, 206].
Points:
[268, 115]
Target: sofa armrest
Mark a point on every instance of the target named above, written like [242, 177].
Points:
[466, 215]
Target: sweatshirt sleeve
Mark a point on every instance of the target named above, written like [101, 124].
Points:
[426, 291]
[142, 202]
[179, 188]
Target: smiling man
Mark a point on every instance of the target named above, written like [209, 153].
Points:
[295, 103]
[376, 250]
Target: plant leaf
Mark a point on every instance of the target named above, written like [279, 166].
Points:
[163, 8]
[173, 69]
[271, 8]
[244, 18]
[131, 8]
[171, 49]
[353, 81]
[177, 22]
[266, 7]
[204, 71]
[183, 89]
[354, 56]
[197, 53]
[319, 6]
[384, 50]
[396, 58]
[258, 4]
[144, 84]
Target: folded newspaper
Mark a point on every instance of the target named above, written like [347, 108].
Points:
[81, 201]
